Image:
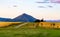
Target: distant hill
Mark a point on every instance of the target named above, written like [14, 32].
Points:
[5, 19]
[52, 20]
[24, 18]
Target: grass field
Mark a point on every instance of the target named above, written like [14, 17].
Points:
[27, 32]
[11, 31]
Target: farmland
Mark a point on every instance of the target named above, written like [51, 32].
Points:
[27, 31]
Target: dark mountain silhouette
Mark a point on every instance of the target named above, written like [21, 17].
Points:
[24, 18]
[5, 19]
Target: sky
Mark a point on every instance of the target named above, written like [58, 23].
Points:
[14, 8]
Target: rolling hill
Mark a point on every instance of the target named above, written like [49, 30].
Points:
[5, 19]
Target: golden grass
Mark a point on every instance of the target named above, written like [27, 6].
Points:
[3, 24]
[41, 24]
[49, 24]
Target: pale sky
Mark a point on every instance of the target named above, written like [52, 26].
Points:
[14, 8]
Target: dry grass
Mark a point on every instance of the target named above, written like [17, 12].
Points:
[50, 24]
[3, 24]
[41, 24]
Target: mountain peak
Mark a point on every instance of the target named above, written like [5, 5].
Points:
[25, 14]
[25, 18]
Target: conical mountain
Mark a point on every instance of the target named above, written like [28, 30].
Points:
[24, 18]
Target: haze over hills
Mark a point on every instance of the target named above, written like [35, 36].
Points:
[52, 20]
[24, 18]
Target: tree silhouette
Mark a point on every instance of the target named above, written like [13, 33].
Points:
[53, 25]
[42, 20]
[37, 20]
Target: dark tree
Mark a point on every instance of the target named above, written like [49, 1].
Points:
[37, 20]
[53, 24]
[42, 20]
